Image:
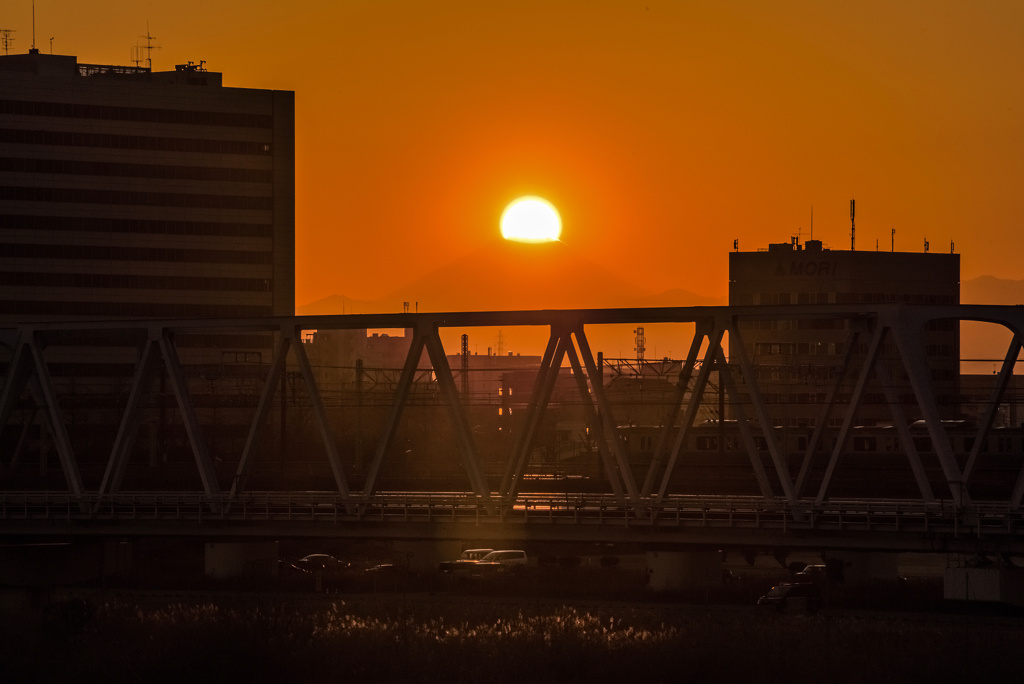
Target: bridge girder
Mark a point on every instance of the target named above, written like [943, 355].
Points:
[28, 371]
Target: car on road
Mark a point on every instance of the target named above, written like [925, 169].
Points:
[791, 597]
[505, 561]
[466, 561]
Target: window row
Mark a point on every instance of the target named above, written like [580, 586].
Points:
[111, 141]
[134, 282]
[79, 167]
[782, 298]
[29, 310]
[135, 226]
[132, 253]
[142, 114]
[135, 198]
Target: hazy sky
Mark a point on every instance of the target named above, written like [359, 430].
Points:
[662, 131]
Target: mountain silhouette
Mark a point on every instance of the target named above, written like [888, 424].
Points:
[510, 275]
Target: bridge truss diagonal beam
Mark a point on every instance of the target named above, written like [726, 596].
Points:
[129, 426]
[604, 408]
[193, 429]
[321, 415]
[714, 338]
[826, 410]
[855, 399]
[899, 419]
[906, 330]
[42, 385]
[746, 434]
[463, 434]
[761, 412]
[593, 418]
[998, 391]
[412, 360]
[543, 385]
[701, 332]
[263, 406]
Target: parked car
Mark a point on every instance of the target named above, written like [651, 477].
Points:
[811, 573]
[321, 561]
[467, 560]
[792, 597]
[505, 561]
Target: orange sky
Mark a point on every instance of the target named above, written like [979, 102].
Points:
[661, 130]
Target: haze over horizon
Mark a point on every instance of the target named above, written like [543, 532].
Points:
[661, 131]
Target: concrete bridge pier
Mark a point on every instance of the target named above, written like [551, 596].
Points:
[424, 556]
[858, 567]
[678, 570]
[990, 583]
[237, 560]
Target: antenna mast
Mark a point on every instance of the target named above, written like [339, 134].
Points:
[148, 48]
[5, 37]
[853, 229]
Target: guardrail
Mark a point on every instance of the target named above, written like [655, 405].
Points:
[306, 508]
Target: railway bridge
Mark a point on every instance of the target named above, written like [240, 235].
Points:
[236, 429]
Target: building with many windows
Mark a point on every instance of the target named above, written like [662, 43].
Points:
[138, 194]
[797, 360]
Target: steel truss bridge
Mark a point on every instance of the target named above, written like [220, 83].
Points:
[637, 503]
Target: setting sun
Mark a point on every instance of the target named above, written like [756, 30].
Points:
[531, 219]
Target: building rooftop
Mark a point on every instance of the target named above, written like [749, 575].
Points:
[38, 64]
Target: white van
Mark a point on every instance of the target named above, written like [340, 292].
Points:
[505, 560]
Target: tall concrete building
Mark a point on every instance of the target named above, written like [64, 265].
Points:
[797, 360]
[138, 194]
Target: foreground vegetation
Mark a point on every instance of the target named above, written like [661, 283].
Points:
[464, 638]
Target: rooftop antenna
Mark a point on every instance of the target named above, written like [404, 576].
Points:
[853, 228]
[33, 25]
[641, 343]
[5, 36]
[812, 221]
[892, 238]
[149, 47]
[51, 45]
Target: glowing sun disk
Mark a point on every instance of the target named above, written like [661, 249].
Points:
[531, 219]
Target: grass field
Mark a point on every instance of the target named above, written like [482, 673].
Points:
[479, 636]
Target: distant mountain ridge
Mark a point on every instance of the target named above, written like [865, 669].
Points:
[510, 276]
[992, 290]
[980, 290]
[978, 340]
